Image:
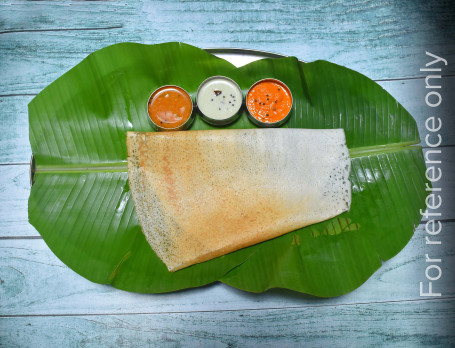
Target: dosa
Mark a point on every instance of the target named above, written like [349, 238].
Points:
[202, 194]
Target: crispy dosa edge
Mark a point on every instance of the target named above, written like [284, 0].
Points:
[134, 168]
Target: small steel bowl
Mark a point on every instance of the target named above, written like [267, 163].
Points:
[269, 124]
[183, 126]
[214, 121]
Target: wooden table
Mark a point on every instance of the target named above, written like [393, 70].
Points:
[45, 304]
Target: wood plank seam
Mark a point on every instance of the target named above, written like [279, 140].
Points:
[56, 29]
[439, 299]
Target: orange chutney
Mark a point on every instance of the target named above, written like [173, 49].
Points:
[169, 107]
[269, 101]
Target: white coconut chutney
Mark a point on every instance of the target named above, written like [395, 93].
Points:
[219, 99]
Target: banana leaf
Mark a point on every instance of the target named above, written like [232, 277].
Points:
[81, 204]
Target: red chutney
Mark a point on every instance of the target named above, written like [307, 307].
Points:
[170, 107]
[269, 101]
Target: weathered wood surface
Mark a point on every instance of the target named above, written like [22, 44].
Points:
[14, 192]
[380, 39]
[392, 324]
[14, 143]
[43, 303]
[36, 282]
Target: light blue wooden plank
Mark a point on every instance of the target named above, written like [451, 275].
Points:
[32, 60]
[381, 40]
[35, 282]
[398, 324]
[14, 142]
[14, 192]
[66, 14]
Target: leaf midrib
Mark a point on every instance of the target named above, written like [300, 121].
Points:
[357, 152]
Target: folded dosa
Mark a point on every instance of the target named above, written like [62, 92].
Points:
[202, 194]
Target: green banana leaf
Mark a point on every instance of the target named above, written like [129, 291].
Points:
[81, 204]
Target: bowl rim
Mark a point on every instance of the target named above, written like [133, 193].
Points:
[269, 124]
[214, 121]
[184, 125]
